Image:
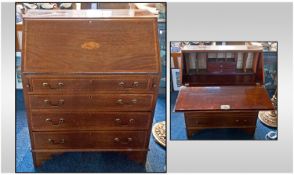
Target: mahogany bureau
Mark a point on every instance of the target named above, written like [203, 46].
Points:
[91, 79]
[222, 87]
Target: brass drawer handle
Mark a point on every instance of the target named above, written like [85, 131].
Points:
[121, 84]
[57, 104]
[117, 120]
[59, 85]
[135, 84]
[48, 120]
[237, 121]
[120, 101]
[126, 142]
[54, 142]
[130, 122]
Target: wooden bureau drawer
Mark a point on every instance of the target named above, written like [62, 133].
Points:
[93, 139]
[94, 83]
[221, 67]
[220, 121]
[54, 121]
[96, 102]
[221, 118]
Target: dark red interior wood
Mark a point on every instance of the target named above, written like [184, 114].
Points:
[211, 98]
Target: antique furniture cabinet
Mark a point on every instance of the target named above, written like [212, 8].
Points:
[222, 87]
[90, 80]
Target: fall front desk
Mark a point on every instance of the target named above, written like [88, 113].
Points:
[222, 87]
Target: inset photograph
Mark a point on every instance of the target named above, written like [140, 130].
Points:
[224, 90]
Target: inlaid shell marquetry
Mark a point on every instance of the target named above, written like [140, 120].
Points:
[90, 45]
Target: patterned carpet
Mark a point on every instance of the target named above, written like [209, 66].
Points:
[178, 130]
[85, 162]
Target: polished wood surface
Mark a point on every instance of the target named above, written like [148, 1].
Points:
[90, 81]
[101, 13]
[221, 66]
[18, 28]
[93, 41]
[212, 97]
[58, 121]
[227, 92]
[199, 120]
[220, 79]
[93, 139]
[220, 122]
[97, 102]
[231, 119]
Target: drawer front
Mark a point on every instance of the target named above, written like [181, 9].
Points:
[223, 114]
[56, 121]
[97, 102]
[94, 139]
[97, 83]
[220, 122]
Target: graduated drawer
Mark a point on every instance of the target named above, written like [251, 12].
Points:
[56, 121]
[220, 122]
[96, 102]
[93, 83]
[221, 67]
[221, 119]
[88, 140]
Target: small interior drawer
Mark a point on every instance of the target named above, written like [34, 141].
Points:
[221, 67]
[89, 139]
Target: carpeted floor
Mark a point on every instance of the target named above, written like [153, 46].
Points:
[85, 162]
[178, 129]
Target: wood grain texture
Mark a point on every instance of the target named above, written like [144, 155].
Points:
[211, 98]
[200, 120]
[59, 121]
[220, 79]
[96, 102]
[230, 119]
[93, 139]
[95, 83]
[121, 40]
